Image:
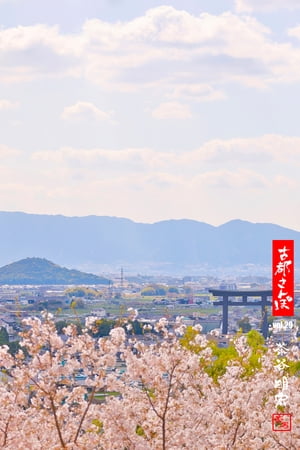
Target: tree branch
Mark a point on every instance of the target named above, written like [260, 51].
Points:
[5, 432]
[56, 422]
[85, 413]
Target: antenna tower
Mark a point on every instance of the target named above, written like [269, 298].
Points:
[122, 278]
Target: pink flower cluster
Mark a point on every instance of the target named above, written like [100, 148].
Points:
[161, 395]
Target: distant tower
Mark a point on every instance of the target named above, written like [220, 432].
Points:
[122, 278]
[109, 291]
[191, 297]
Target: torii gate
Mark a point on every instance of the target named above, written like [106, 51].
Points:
[225, 302]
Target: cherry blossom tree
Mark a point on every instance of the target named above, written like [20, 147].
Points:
[178, 390]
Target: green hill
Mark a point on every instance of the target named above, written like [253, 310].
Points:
[41, 271]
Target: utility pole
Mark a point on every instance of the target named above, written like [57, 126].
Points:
[122, 278]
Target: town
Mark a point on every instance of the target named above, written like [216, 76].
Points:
[153, 297]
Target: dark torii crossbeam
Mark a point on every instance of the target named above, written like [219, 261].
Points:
[225, 303]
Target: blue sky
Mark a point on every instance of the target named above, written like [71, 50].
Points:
[151, 110]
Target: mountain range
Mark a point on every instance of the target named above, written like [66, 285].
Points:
[92, 241]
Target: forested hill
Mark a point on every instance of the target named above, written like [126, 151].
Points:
[41, 271]
[95, 240]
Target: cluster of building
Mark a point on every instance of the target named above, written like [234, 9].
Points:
[189, 295]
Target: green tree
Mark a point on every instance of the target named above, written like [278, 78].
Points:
[82, 291]
[102, 327]
[4, 338]
[137, 327]
[154, 289]
[173, 289]
[148, 291]
[78, 303]
[244, 324]
[160, 289]
[14, 347]
[222, 356]
[61, 324]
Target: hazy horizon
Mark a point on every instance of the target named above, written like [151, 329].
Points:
[149, 223]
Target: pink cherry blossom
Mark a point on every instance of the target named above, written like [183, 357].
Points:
[163, 398]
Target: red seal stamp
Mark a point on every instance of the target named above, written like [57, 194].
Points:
[281, 422]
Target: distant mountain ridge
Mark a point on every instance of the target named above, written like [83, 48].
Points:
[38, 271]
[96, 240]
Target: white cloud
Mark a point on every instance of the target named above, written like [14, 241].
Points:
[295, 32]
[230, 174]
[36, 38]
[237, 179]
[132, 160]
[162, 48]
[259, 154]
[8, 105]
[31, 52]
[85, 111]
[196, 92]
[286, 182]
[265, 5]
[172, 110]
[166, 46]
[8, 152]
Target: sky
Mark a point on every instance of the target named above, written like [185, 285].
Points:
[151, 110]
